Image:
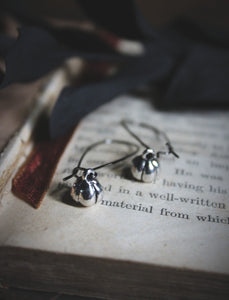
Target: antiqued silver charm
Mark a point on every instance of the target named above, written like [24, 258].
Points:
[87, 190]
[145, 167]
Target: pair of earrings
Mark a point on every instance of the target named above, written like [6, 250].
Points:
[88, 191]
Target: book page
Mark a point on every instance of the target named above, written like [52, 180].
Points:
[181, 220]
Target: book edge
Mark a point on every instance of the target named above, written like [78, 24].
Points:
[100, 277]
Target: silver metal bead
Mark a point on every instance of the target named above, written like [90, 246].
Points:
[145, 167]
[87, 190]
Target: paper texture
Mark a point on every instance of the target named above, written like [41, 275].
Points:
[180, 221]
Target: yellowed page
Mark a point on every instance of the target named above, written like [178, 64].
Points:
[182, 220]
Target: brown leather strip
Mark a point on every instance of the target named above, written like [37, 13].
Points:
[33, 178]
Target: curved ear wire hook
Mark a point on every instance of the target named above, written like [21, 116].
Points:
[146, 166]
[157, 133]
[170, 151]
[106, 141]
[86, 189]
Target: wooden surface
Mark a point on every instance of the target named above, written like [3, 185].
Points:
[20, 294]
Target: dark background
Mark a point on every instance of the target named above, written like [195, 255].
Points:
[16, 100]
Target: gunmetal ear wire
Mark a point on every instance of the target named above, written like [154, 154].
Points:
[145, 167]
[87, 190]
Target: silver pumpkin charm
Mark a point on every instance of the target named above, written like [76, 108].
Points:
[87, 190]
[146, 166]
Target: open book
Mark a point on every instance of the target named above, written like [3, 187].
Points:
[167, 239]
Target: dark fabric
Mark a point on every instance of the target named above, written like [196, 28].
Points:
[202, 78]
[120, 17]
[187, 64]
[6, 43]
[36, 53]
[154, 66]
